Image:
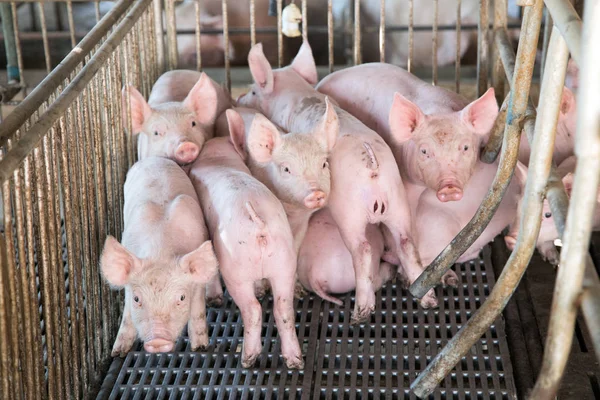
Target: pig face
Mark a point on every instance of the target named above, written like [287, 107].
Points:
[158, 293]
[293, 165]
[174, 130]
[301, 73]
[443, 149]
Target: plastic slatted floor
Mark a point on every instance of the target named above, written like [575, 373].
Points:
[378, 359]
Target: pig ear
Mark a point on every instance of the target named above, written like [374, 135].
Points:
[237, 132]
[201, 264]
[567, 102]
[568, 182]
[263, 138]
[404, 118]
[140, 110]
[481, 114]
[304, 64]
[261, 70]
[117, 263]
[202, 100]
[329, 127]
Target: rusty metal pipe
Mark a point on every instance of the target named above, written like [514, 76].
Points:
[40, 94]
[517, 112]
[494, 143]
[540, 164]
[568, 289]
[500, 24]
[32, 137]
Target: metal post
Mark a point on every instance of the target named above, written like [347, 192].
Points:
[12, 67]
[500, 10]
[568, 290]
[171, 34]
[357, 37]
[482, 47]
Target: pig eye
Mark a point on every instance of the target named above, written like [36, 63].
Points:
[286, 169]
[466, 147]
[155, 133]
[548, 215]
[325, 164]
[136, 299]
[423, 151]
[253, 93]
[193, 123]
[182, 298]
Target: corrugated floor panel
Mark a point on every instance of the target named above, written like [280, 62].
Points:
[374, 360]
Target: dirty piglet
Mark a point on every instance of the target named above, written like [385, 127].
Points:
[164, 262]
[253, 241]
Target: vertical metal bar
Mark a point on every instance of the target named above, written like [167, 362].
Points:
[5, 366]
[279, 33]
[171, 34]
[357, 35]
[434, 44]
[45, 38]
[12, 70]
[199, 38]
[71, 22]
[500, 11]
[458, 44]
[97, 11]
[252, 23]
[548, 25]
[159, 34]
[482, 47]
[539, 170]
[382, 31]
[226, 39]
[330, 34]
[583, 201]
[304, 21]
[411, 36]
[18, 42]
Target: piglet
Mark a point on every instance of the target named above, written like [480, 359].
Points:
[253, 241]
[325, 264]
[178, 117]
[164, 261]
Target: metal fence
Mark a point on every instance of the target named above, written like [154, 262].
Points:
[64, 153]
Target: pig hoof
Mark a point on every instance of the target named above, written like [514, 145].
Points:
[552, 257]
[429, 300]
[450, 279]
[296, 362]
[119, 352]
[248, 361]
[199, 345]
[216, 301]
[362, 314]
[299, 291]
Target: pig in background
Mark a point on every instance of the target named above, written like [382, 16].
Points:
[178, 117]
[366, 184]
[164, 261]
[252, 239]
[436, 136]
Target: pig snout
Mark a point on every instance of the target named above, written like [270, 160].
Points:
[158, 345]
[449, 190]
[186, 152]
[316, 199]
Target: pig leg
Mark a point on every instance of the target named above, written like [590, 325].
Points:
[197, 329]
[243, 295]
[127, 333]
[387, 272]
[549, 252]
[285, 318]
[214, 292]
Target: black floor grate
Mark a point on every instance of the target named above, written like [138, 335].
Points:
[375, 360]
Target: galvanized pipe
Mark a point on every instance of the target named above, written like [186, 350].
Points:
[517, 112]
[457, 56]
[357, 36]
[171, 35]
[434, 43]
[482, 47]
[226, 39]
[494, 143]
[33, 101]
[330, 34]
[159, 33]
[548, 25]
[411, 36]
[252, 23]
[279, 33]
[539, 169]
[382, 30]
[32, 137]
[568, 289]
[568, 23]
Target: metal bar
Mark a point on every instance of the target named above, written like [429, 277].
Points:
[19, 54]
[517, 107]
[500, 22]
[590, 304]
[226, 39]
[159, 33]
[494, 143]
[33, 101]
[252, 23]
[482, 47]
[330, 34]
[457, 58]
[304, 21]
[71, 22]
[33, 136]
[357, 34]
[12, 68]
[198, 38]
[279, 31]
[411, 36]
[171, 35]
[382, 31]
[45, 38]
[568, 23]
[434, 42]
[548, 24]
[568, 287]
[5, 366]
[539, 169]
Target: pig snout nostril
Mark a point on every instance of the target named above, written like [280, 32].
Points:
[382, 208]
[375, 206]
[315, 200]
